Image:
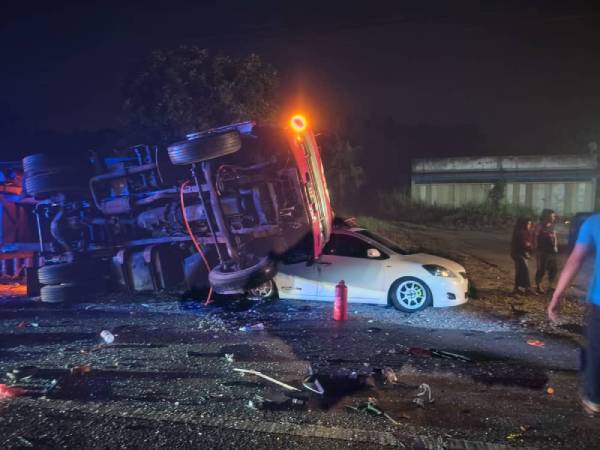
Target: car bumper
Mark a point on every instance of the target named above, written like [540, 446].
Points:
[450, 291]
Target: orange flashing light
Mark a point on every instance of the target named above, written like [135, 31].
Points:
[298, 123]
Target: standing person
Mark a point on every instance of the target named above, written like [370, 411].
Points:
[587, 239]
[546, 244]
[520, 251]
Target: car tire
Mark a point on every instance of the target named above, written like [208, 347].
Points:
[264, 291]
[224, 282]
[410, 294]
[61, 293]
[43, 184]
[53, 274]
[205, 148]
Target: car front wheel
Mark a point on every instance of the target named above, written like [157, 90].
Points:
[410, 294]
[264, 291]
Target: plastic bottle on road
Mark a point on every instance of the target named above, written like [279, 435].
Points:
[107, 337]
[255, 327]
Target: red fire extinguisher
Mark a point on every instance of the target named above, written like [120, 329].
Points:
[340, 305]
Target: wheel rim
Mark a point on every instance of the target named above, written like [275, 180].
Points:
[263, 291]
[411, 294]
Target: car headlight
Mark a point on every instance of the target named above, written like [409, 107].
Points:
[439, 271]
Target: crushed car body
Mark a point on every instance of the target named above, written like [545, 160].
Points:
[375, 270]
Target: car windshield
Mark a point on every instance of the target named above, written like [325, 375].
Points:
[383, 241]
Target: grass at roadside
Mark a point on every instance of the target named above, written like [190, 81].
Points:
[397, 205]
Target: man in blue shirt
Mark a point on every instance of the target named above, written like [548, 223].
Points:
[587, 240]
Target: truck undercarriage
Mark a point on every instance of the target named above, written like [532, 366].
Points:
[215, 210]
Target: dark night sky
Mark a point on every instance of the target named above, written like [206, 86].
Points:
[526, 75]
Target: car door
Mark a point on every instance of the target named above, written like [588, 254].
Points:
[345, 258]
[297, 276]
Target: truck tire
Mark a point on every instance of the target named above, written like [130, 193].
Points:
[205, 148]
[61, 293]
[41, 162]
[240, 281]
[42, 185]
[60, 273]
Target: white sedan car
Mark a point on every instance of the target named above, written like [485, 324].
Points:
[375, 270]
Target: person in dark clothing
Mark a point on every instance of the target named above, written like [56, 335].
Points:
[546, 244]
[520, 250]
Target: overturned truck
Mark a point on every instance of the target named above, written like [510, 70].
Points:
[216, 210]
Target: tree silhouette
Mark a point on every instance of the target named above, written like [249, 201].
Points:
[176, 91]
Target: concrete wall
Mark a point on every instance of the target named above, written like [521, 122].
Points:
[565, 183]
[509, 163]
[565, 198]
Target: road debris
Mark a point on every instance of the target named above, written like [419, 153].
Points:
[81, 370]
[229, 357]
[255, 327]
[266, 377]
[251, 405]
[535, 343]
[518, 435]
[449, 355]
[418, 351]
[312, 384]
[25, 324]
[371, 407]
[276, 402]
[22, 373]
[24, 442]
[423, 396]
[390, 375]
[7, 391]
[428, 352]
[550, 391]
[107, 337]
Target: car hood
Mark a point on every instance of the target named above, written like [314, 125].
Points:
[424, 258]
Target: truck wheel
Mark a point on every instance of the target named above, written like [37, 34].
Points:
[205, 148]
[60, 273]
[41, 162]
[43, 184]
[61, 293]
[410, 294]
[225, 282]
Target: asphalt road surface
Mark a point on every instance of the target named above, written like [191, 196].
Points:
[167, 381]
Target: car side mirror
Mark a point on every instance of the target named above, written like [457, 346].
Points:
[373, 253]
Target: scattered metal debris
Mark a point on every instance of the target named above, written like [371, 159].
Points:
[255, 327]
[371, 407]
[266, 377]
[449, 355]
[312, 384]
[24, 442]
[428, 352]
[423, 396]
[274, 402]
[25, 324]
[107, 337]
